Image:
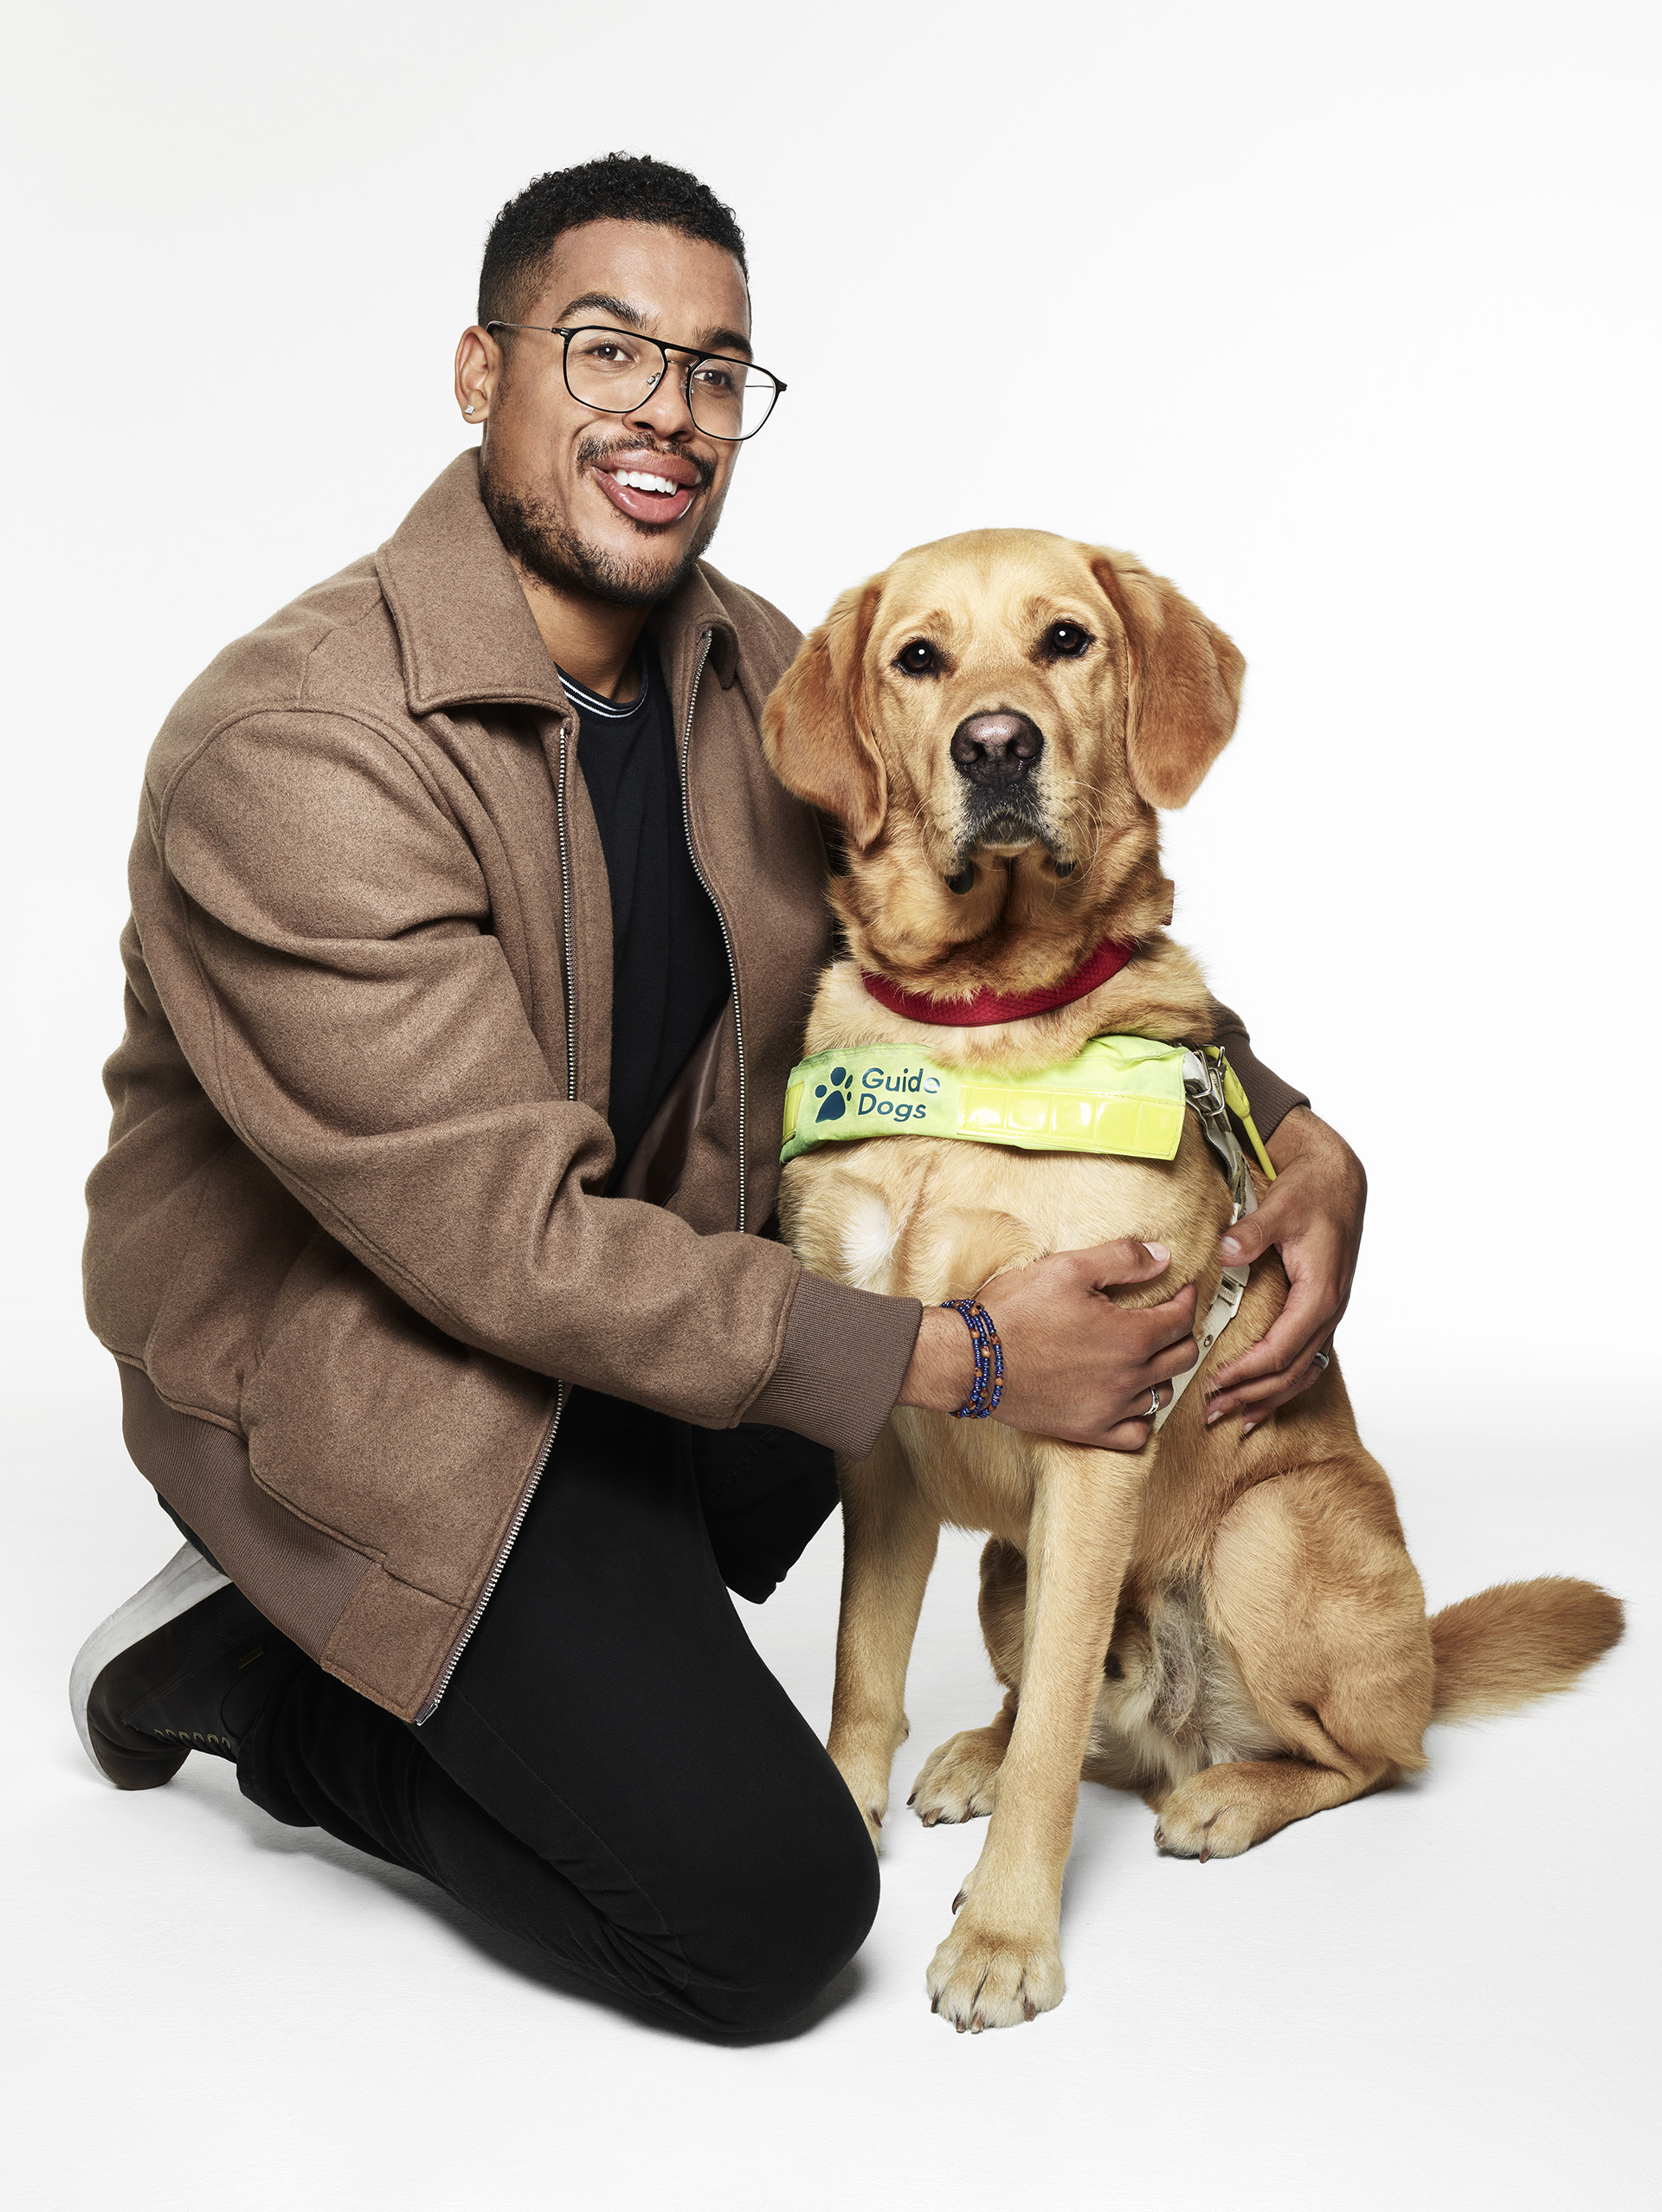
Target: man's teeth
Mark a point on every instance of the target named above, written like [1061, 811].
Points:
[638, 480]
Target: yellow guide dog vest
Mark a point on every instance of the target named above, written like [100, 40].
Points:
[1123, 1097]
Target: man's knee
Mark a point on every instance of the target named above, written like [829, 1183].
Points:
[798, 1907]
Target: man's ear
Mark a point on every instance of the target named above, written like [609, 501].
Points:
[816, 729]
[1185, 680]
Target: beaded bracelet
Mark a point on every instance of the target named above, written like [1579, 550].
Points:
[989, 1359]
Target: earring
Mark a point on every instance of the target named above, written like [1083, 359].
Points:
[468, 409]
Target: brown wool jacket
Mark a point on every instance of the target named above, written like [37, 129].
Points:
[348, 1229]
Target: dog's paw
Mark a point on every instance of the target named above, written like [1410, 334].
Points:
[868, 1785]
[983, 1976]
[959, 1779]
[1203, 1818]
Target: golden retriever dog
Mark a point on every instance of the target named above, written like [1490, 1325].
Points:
[1228, 1623]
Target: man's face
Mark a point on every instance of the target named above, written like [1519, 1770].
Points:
[550, 466]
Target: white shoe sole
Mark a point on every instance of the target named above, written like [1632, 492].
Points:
[184, 1581]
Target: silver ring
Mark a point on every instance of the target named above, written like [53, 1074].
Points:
[1154, 1402]
[1321, 1359]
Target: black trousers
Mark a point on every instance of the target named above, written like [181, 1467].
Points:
[612, 1773]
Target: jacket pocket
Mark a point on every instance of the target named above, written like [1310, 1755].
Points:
[376, 1427]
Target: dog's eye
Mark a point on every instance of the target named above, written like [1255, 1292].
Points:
[1065, 641]
[917, 659]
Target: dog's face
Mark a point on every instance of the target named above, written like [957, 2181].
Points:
[992, 722]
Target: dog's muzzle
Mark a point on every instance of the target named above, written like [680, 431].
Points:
[995, 755]
[995, 752]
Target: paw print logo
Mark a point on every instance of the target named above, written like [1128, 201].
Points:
[835, 1095]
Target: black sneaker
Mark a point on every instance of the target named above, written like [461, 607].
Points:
[184, 1665]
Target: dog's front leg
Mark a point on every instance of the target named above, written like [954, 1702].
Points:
[1002, 1962]
[889, 1538]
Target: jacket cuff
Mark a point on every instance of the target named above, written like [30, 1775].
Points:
[839, 1371]
[1270, 1097]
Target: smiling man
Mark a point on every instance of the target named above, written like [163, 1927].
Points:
[470, 948]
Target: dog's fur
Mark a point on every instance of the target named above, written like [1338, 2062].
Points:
[1230, 1625]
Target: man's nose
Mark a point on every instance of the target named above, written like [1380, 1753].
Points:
[666, 411]
[996, 749]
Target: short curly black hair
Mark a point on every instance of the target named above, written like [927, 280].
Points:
[624, 187]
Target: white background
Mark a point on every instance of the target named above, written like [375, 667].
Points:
[1345, 318]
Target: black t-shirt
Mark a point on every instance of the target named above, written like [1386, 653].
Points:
[669, 965]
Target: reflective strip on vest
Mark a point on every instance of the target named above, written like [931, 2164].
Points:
[1122, 1096]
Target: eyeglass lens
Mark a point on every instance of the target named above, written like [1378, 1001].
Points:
[616, 370]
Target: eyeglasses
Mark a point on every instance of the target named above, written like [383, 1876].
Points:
[614, 371]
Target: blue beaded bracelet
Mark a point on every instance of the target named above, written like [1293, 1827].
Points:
[989, 1359]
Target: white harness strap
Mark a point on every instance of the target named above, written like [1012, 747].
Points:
[1203, 1089]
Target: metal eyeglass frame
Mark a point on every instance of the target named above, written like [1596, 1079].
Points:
[566, 333]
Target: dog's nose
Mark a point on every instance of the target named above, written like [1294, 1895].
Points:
[996, 749]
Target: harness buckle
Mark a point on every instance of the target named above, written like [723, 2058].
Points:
[1203, 1089]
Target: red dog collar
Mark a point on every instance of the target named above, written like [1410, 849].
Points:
[988, 1006]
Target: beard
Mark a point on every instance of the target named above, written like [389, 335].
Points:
[540, 538]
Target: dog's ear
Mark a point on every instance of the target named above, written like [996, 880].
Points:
[1185, 680]
[816, 729]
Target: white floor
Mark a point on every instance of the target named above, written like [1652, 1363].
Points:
[1443, 1997]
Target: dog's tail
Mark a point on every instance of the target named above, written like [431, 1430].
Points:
[1519, 1640]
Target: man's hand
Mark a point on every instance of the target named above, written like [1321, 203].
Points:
[1076, 1365]
[1313, 1213]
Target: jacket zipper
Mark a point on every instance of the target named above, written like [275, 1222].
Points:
[545, 1453]
[500, 1561]
[726, 935]
[565, 929]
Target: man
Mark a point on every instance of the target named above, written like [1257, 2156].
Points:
[470, 946]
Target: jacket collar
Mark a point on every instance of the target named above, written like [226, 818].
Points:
[677, 626]
[465, 633]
